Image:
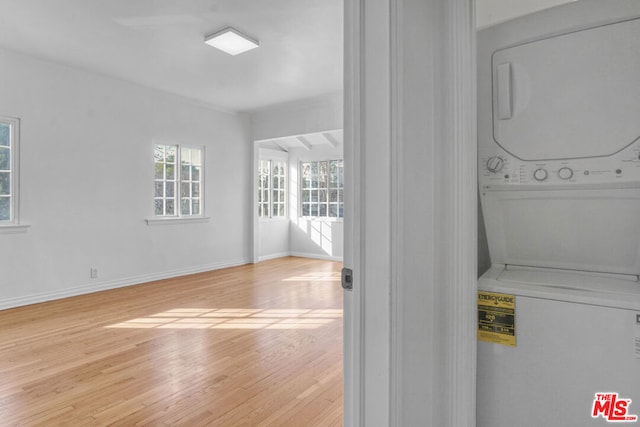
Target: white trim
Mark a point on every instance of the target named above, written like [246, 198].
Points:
[15, 169]
[255, 224]
[353, 149]
[377, 77]
[457, 218]
[463, 288]
[315, 256]
[330, 140]
[303, 141]
[174, 220]
[14, 174]
[274, 219]
[374, 185]
[114, 284]
[282, 146]
[273, 256]
[397, 193]
[299, 255]
[14, 228]
[303, 135]
[321, 218]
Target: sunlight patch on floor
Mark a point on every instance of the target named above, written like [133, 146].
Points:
[332, 276]
[233, 318]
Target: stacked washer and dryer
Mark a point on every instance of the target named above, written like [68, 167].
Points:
[559, 179]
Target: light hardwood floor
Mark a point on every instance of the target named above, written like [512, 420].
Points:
[255, 345]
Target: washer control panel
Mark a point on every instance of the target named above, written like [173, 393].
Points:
[497, 167]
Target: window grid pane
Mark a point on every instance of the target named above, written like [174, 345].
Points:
[6, 172]
[322, 188]
[165, 162]
[271, 189]
[278, 179]
[5, 134]
[264, 188]
[190, 189]
[336, 185]
[5, 208]
[310, 185]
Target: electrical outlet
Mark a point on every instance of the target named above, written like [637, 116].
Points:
[94, 273]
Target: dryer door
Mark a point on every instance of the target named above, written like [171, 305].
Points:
[570, 96]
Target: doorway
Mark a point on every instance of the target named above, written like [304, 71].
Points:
[299, 196]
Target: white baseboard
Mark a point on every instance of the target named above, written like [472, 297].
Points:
[273, 256]
[299, 254]
[316, 256]
[113, 284]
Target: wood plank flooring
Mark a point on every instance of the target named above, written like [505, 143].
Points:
[256, 345]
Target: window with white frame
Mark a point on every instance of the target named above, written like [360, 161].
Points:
[264, 188]
[178, 181]
[9, 170]
[278, 176]
[322, 189]
[272, 189]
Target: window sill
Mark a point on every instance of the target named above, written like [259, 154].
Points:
[177, 220]
[321, 218]
[274, 219]
[14, 228]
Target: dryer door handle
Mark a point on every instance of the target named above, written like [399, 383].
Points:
[505, 99]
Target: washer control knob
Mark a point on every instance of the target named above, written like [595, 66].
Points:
[565, 173]
[495, 164]
[540, 174]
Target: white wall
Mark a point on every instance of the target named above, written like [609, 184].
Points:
[490, 12]
[87, 183]
[273, 238]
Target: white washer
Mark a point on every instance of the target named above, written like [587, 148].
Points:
[559, 177]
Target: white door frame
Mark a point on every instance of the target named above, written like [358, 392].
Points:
[377, 358]
[353, 202]
[255, 223]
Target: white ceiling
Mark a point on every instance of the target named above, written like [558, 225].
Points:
[332, 138]
[159, 44]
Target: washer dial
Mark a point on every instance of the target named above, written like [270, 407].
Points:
[565, 173]
[495, 164]
[540, 174]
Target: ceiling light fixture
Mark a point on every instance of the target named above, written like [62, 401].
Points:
[231, 41]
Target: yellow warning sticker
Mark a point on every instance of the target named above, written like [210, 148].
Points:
[496, 318]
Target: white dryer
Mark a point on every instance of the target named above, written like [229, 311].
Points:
[559, 177]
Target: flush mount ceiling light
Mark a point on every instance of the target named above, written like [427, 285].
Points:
[231, 41]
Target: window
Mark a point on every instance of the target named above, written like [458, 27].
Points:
[278, 183]
[272, 189]
[8, 170]
[322, 190]
[264, 188]
[178, 181]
